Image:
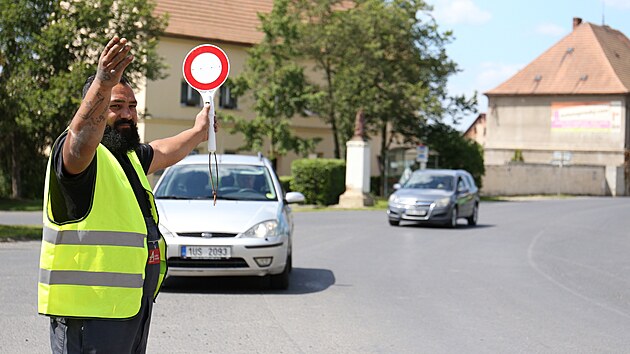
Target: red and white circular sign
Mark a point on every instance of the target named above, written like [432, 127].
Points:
[206, 67]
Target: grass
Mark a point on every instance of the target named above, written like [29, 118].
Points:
[20, 233]
[20, 204]
[379, 204]
[525, 197]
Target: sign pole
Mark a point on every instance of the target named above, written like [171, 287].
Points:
[422, 156]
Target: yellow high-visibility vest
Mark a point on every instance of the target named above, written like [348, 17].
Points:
[94, 267]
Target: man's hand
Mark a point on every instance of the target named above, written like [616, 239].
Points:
[113, 61]
[168, 151]
[202, 122]
[87, 126]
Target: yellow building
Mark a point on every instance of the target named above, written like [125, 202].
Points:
[171, 105]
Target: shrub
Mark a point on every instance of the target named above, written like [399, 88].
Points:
[285, 181]
[321, 181]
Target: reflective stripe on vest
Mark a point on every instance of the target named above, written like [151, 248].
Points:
[73, 277]
[94, 267]
[83, 237]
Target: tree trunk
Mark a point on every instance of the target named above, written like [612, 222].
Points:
[274, 164]
[16, 192]
[383, 160]
[331, 113]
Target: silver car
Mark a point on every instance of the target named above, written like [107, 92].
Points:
[435, 196]
[249, 230]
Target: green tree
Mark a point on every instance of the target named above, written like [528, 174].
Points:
[455, 151]
[279, 88]
[47, 50]
[323, 43]
[385, 57]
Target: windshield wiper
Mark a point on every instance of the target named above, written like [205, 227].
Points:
[227, 198]
[170, 197]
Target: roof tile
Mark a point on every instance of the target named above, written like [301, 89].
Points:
[591, 59]
[223, 20]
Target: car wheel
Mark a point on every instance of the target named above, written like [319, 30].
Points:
[453, 222]
[281, 281]
[394, 222]
[472, 220]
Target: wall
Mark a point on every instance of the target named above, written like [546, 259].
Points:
[533, 179]
[525, 123]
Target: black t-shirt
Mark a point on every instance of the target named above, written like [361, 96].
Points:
[75, 192]
[71, 196]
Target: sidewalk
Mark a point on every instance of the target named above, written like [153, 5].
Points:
[33, 218]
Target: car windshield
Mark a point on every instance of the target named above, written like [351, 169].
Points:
[236, 182]
[430, 181]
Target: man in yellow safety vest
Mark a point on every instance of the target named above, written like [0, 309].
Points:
[103, 259]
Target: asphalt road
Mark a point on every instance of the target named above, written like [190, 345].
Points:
[549, 276]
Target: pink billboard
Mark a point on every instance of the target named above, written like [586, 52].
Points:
[602, 116]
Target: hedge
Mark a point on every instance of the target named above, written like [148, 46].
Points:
[321, 181]
[285, 181]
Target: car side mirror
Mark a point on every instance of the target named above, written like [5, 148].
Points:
[397, 186]
[294, 197]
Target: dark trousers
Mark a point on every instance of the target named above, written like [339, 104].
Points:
[70, 336]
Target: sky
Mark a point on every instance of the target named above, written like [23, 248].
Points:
[494, 39]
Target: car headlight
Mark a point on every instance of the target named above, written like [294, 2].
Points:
[394, 201]
[166, 232]
[264, 229]
[442, 203]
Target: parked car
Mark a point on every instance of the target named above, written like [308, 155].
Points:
[435, 196]
[248, 232]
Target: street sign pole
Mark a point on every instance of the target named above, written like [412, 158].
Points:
[422, 156]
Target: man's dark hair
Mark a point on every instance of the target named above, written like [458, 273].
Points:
[88, 83]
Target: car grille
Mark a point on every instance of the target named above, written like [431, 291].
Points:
[199, 234]
[207, 263]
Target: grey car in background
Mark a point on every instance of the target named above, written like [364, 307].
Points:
[435, 196]
[249, 232]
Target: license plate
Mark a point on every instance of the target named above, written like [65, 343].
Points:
[208, 252]
[415, 212]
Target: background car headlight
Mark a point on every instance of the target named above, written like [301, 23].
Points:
[442, 203]
[394, 201]
[264, 229]
[166, 232]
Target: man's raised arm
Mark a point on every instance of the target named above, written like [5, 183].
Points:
[169, 151]
[88, 124]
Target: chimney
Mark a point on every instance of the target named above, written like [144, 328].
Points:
[576, 22]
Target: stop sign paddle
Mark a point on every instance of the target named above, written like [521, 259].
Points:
[205, 68]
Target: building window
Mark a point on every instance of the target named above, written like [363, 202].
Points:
[189, 96]
[226, 98]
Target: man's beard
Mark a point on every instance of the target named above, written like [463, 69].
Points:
[120, 142]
